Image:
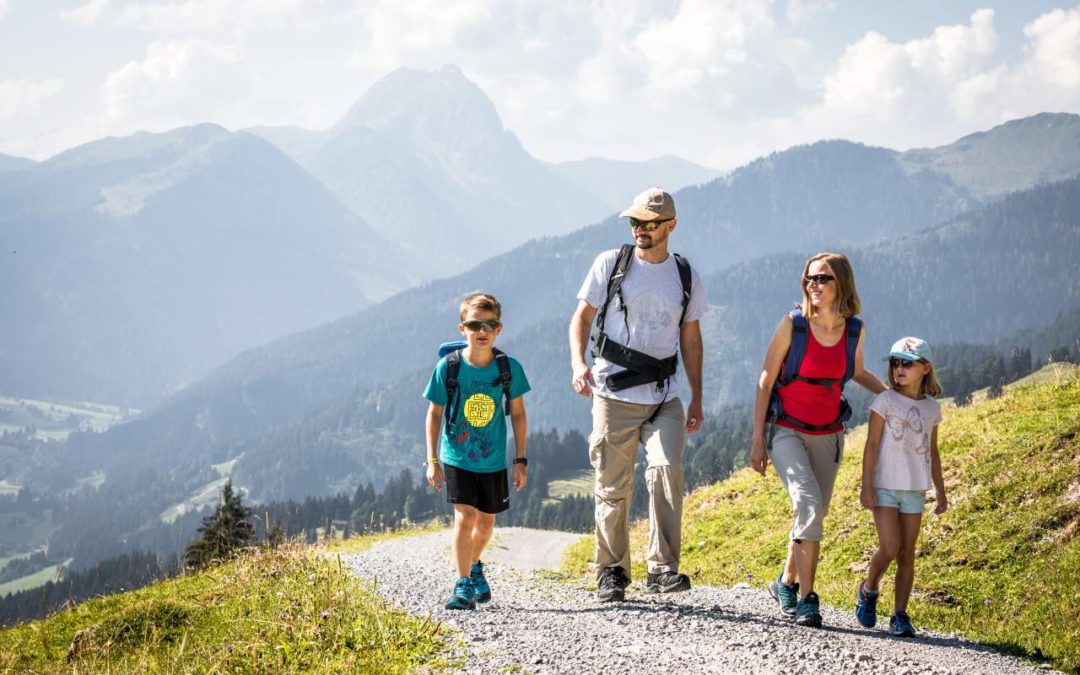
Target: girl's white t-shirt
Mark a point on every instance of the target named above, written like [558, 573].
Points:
[904, 453]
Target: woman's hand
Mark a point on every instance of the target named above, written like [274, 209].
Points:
[759, 459]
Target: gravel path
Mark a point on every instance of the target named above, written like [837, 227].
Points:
[537, 625]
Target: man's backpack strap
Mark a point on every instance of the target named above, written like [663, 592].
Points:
[686, 279]
[614, 286]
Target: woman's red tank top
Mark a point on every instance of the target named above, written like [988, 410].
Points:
[816, 404]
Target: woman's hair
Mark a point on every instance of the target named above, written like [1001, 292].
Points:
[481, 301]
[847, 297]
[929, 385]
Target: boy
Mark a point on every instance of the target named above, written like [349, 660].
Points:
[471, 442]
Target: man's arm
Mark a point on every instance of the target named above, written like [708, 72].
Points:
[692, 350]
[580, 326]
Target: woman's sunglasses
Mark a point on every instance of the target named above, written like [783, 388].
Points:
[818, 279]
[473, 325]
[903, 363]
[647, 225]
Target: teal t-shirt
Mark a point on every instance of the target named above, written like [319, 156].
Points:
[477, 441]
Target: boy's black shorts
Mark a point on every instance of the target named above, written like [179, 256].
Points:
[487, 492]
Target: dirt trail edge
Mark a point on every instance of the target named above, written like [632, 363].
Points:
[537, 625]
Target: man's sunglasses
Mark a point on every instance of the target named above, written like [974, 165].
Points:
[903, 363]
[490, 324]
[647, 225]
[818, 279]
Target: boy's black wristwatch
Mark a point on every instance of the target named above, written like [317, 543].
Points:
[521, 460]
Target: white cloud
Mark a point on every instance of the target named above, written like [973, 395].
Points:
[199, 17]
[19, 98]
[802, 11]
[5, 5]
[178, 82]
[86, 14]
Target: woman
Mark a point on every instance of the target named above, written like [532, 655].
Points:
[806, 415]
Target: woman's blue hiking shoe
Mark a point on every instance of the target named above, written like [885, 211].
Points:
[900, 625]
[481, 589]
[463, 595]
[785, 596]
[865, 606]
[807, 612]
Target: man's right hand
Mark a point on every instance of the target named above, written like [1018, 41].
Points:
[583, 381]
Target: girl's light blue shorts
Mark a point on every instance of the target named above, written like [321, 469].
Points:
[907, 501]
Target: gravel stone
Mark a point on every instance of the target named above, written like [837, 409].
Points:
[536, 625]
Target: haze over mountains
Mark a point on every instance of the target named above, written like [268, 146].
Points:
[930, 257]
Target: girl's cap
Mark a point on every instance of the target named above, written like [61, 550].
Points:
[912, 348]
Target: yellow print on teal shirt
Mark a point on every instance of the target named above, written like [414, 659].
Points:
[479, 409]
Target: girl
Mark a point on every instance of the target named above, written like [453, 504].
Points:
[813, 351]
[899, 463]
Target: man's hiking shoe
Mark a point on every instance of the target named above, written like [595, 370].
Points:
[900, 625]
[806, 612]
[463, 595]
[667, 582]
[786, 596]
[612, 584]
[481, 589]
[865, 606]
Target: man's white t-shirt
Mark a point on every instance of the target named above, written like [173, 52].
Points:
[653, 294]
[904, 454]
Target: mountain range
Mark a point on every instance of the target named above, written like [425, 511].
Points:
[931, 258]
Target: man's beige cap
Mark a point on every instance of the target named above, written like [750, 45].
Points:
[653, 204]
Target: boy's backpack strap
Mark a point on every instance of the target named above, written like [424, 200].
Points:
[854, 331]
[686, 279]
[614, 287]
[502, 361]
[453, 367]
[800, 334]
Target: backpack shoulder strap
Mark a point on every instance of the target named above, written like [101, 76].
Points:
[502, 361]
[614, 287]
[687, 281]
[453, 367]
[800, 328]
[854, 330]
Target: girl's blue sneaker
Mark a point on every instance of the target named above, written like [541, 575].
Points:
[481, 589]
[463, 595]
[900, 625]
[865, 606]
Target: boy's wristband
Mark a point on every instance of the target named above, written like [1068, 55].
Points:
[521, 460]
[433, 460]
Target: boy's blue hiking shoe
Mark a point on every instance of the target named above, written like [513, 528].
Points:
[900, 625]
[865, 606]
[612, 584]
[785, 596]
[807, 613]
[481, 589]
[463, 595]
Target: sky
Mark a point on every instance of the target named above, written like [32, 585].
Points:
[718, 82]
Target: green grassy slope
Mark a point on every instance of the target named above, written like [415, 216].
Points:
[293, 610]
[1001, 566]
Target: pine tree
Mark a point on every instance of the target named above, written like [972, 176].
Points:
[223, 532]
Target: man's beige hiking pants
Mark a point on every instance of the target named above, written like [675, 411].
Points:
[619, 428]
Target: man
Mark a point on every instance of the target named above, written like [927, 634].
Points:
[647, 304]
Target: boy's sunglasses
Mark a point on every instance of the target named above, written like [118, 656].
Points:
[490, 324]
[903, 363]
[818, 279]
[647, 225]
